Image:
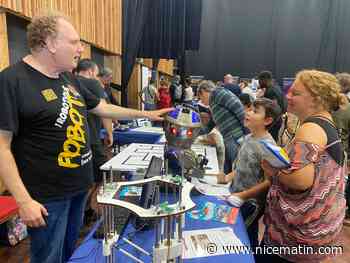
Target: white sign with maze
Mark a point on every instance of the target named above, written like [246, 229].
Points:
[138, 155]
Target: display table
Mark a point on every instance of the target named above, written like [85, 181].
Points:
[91, 249]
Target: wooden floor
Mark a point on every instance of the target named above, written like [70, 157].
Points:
[20, 253]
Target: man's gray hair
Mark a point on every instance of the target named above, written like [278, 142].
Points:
[105, 72]
[206, 85]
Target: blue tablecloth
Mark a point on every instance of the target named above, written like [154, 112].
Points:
[91, 249]
[130, 136]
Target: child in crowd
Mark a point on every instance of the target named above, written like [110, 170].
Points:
[164, 99]
[188, 92]
[248, 185]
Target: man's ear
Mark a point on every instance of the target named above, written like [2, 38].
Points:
[91, 72]
[51, 45]
[268, 121]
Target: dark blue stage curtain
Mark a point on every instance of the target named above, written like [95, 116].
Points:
[172, 27]
[158, 29]
[135, 14]
[243, 37]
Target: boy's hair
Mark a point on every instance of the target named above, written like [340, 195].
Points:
[272, 109]
[246, 99]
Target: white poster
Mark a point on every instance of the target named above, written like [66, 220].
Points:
[209, 242]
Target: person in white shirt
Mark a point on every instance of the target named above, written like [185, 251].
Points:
[188, 92]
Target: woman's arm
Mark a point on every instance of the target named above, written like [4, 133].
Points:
[303, 178]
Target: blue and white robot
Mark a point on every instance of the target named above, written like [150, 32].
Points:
[182, 127]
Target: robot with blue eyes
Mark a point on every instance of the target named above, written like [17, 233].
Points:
[181, 127]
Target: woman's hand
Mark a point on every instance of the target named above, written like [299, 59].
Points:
[269, 170]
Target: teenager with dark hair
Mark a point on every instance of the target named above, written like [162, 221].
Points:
[267, 90]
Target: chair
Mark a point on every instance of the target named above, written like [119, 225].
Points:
[8, 208]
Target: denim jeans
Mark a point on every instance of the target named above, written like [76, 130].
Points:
[55, 243]
[231, 151]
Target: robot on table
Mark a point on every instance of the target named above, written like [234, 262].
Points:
[182, 126]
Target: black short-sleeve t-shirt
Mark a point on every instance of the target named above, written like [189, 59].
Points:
[48, 118]
[94, 121]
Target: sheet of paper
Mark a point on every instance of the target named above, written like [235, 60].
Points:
[201, 243]
[209, 189]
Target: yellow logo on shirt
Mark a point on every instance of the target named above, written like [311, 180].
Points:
[49, 95]
[76, 139]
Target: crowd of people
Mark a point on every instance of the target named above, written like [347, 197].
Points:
[306, 202]
[50, 148]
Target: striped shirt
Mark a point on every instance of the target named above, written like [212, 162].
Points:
[227, 113]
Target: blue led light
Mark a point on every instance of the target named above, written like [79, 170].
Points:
[174, 114]
[195, 117]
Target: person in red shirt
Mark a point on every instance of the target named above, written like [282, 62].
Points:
[164, 99]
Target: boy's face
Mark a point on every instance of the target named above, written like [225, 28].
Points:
[256, 119]
[247, 108]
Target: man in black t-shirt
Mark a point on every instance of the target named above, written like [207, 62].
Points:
[267, 90]
[45, 155]
[87, 71]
